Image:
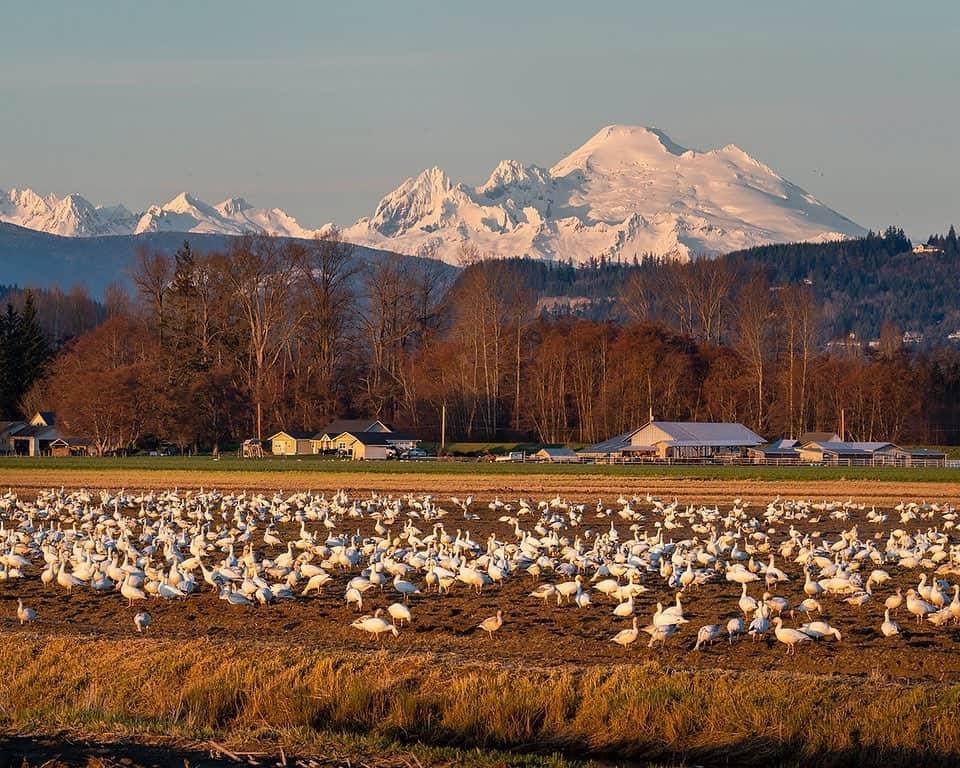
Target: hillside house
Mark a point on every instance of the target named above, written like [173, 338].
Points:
[677, 440]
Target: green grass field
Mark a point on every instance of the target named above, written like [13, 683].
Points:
[322, 465]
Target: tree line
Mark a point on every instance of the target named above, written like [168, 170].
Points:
[276, 334]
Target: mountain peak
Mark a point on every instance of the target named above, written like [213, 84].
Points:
[627, 192]
[74, 216]
[232, 206]
[182, 202]
[636, 136]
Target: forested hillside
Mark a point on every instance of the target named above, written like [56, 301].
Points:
[860, 284]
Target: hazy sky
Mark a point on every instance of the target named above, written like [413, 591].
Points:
[322, 108]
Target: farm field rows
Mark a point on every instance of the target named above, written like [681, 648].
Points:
[213, 669]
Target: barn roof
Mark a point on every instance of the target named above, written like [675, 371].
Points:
[295, 434]
[848, 448]
[607, 447]
[690, 433]
[557, 453]
[379, 438]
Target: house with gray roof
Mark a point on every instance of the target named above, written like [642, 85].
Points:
[677, 440]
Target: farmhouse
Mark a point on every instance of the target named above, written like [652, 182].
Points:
[874, 454]
[291, 443]
[32, 438]
[325, 440]
[677, 440]
[373, 445]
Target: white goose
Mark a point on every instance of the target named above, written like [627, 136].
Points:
[399, 613]
[708, 634]
[626, 636]
[142, 620]
[788, 636]
[25, 615]
[491, 624]
[889, 628]
[375, 625]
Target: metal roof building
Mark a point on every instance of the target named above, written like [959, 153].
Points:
[677, 440]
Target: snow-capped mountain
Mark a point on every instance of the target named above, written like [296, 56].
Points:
[73, 216]
[234, 216]
[627, 192]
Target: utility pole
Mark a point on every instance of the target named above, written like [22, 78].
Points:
[443, 427]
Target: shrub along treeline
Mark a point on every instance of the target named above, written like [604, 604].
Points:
[280, 334]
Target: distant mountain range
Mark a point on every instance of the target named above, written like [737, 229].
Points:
[74, 216]
[37, 259]
[626, 193]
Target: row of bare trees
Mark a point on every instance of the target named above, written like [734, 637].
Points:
[285, 334]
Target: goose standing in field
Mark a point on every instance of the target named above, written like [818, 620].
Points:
[581, 598]
[399, 613]
[788, 636]
[760, 624]
[895, 600]
[734, 627]
[129, 591]
[747, 604]
[889, 628]
[918, 606]
[660, 633]
[667, 616]
[807, 607]
[626, 636]
[142, 620]
[405, 588]
[708, 634]
[353, 595]
[26, 615]
[810, 587]
[860, 599]
[491, 624]
[568, 589]
[625, 609]
[544, 592]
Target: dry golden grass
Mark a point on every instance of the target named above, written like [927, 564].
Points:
[292, 696]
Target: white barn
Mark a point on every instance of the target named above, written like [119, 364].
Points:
[677, 440]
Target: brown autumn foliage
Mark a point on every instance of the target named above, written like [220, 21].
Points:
[278, 334]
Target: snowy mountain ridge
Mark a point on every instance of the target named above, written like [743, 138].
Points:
[74, 216]
[626, 193]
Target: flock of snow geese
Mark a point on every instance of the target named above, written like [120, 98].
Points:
[259, 548]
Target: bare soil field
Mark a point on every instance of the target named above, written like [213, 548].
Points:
[537, 638]
[584, 486]
[535, 633]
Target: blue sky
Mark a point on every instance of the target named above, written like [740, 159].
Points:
[322, 108]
